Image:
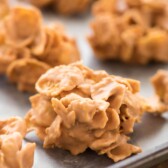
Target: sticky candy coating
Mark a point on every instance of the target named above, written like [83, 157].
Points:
[85, 109]
[135, 32]
[28, 45]
[12, 154]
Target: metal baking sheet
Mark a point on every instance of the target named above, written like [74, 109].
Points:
[151, 135]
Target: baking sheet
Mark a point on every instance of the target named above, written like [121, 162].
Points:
[151, 135]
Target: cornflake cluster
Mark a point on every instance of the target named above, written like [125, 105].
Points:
[131, 31]
[160, 82]
[85, 109]
[12, 154]
[28, 48]
[66, 7]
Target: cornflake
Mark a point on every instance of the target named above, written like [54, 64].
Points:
[60, 6]
[13, 155]
[86, 109]
[130, 31]
[28, 48]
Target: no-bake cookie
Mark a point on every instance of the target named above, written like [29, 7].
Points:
[28, 48]
[12, 154]
[130, 31]
[86, 109]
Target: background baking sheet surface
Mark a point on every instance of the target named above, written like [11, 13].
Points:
[150, 134]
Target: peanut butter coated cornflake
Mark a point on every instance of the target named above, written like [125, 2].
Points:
[12, 154]
[66, 7]
[85, 109]
[130, 31]
[28, 48]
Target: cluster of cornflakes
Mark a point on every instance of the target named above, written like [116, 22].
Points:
[12, 154]
[85, 109]
[131, 31]
[66, 7]
[28, 48]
